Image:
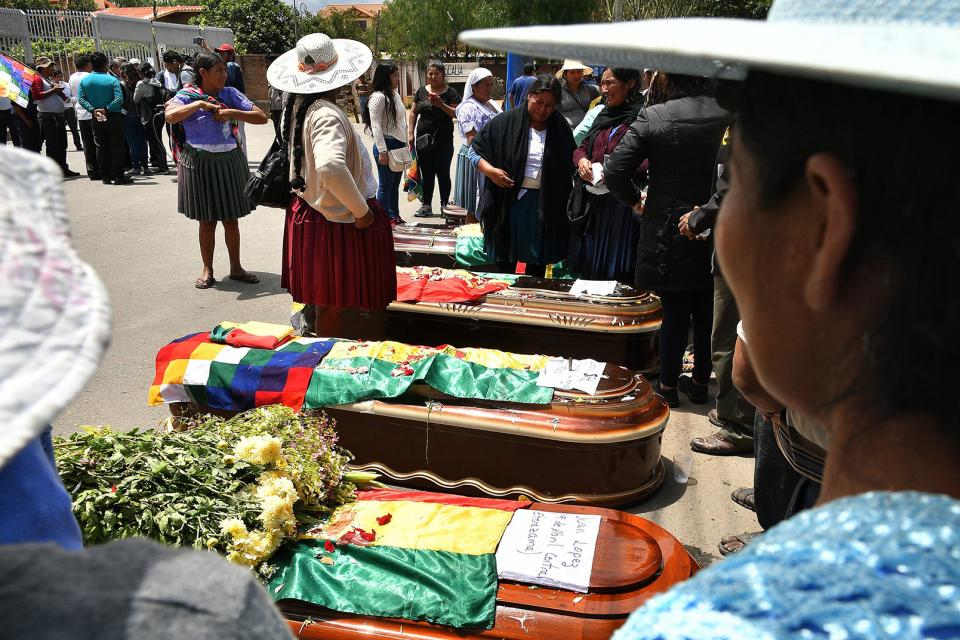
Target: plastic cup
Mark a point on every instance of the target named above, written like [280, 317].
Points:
[681, 466]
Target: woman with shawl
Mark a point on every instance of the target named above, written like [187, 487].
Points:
[606, 247]
[526, 156]
[473, 114]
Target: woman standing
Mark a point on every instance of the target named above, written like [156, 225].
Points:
[607, 247]
[577, 94]
[212, 169]
[526, 155]
[132, 125]
[148, 97]
[337, 244]
[430, 131]
[473, 114]
[679, 135]
[386, 119]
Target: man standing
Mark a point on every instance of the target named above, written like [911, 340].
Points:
[7, 123]
[520, 86]
[170, 76]
[85, 118]
[51, 103]
[100, 94]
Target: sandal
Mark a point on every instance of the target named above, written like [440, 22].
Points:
[205, 283]
[735, 544]
[744, 497]
[248, 278]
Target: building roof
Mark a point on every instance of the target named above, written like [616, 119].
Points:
[146, 13]
[366, 10]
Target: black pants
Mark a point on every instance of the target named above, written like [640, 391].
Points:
[778, 491]
[29, 133]
[435, 163]
[7, 123]
[678, 307]
[275, 117]
[111, 146]
[153, 132]
[70, 114]
[89, 149]
[53, 129]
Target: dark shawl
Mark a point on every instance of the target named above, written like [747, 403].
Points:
[504, 143]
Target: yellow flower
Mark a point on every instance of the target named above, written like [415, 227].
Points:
[229, 460]
[259, 449]
[233, 527]
[253, 548]
[276, 483]
[223, 445]
[277, 514]
[211, 543]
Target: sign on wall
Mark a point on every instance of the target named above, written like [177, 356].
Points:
[458, 71]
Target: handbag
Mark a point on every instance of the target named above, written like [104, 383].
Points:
[580, 207]
[424, 142]
[269, 185]
[399, 159]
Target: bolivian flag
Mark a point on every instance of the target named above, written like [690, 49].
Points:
[402, 554]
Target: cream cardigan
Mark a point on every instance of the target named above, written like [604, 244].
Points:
[332, 164]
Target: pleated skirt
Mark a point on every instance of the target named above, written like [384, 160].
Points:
[609, 248]
[466, 185]
[334, 263]
[210, 185]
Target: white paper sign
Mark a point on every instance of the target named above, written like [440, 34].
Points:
[550, 549]
[593, 287]
[579, 375]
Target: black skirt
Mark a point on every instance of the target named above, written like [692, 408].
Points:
[210, 185]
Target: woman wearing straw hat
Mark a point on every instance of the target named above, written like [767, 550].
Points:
[338, 243]
[212, 169]
[848, 285]
[473, 114]
[577, 94]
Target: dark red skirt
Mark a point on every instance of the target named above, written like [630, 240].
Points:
[334, 263]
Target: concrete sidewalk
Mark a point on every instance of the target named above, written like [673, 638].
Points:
[147, 254]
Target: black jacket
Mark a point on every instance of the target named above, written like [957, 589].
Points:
[680, 138]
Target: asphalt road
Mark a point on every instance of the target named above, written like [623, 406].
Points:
[147, 255]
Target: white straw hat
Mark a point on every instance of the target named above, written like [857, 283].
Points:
[575, 65]
[905, 46]
[318, 64]
[54, 311]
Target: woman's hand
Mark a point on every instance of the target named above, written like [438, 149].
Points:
[410, 141]
[203, 105]
[434, 99]
[638, 207]
[223, 115]
[500, 178]
[684, 226]
[585, 170]
[365, 221]
[383, 158]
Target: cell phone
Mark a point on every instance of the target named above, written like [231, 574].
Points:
[198, 40]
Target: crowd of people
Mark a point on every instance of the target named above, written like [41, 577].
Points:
[772, 220]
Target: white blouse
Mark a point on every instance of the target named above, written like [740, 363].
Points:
[382, 126]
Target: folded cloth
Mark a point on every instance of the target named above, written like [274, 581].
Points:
[433, 284]
[256, 335]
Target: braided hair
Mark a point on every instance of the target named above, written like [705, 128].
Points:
[306, 101]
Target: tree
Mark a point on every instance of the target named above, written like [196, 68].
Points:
[647, 9]
[259, 26]
[337, 24]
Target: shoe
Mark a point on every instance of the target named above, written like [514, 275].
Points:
[424, 212]
[745, 497]
[669, 395]
[146, 172]
[161, 171]
[735, 544]
[107, 181]
[719, 445]
[696, 392]
[70, 174]
[123, 180]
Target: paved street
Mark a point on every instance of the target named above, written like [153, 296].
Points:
[147, 255]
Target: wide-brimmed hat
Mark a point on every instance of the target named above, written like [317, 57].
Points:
[42, 62]
[575, 65]
[319, 63]
[54, 311]
[904, 46]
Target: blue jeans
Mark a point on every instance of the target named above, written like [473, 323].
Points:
[388, 193]
[136, 140]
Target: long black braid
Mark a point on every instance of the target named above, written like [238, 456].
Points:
[298, 182]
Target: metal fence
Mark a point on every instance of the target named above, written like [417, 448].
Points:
[61, 34]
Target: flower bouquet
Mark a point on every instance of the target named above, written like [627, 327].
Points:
[239, 486]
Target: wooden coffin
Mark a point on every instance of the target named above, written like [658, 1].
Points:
[601, 449]
[534, 315]
[635, 559]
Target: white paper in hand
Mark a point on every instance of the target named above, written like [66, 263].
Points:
[550, 549]
[597, 173]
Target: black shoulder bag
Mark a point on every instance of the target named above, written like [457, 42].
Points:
[269, 185]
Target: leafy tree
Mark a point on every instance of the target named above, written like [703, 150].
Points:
[259, 26]
[646, 9]
[338, 24]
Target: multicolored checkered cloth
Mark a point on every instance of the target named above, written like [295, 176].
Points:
[193, 369]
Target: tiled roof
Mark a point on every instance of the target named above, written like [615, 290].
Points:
[367, 10]
[146, 13]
